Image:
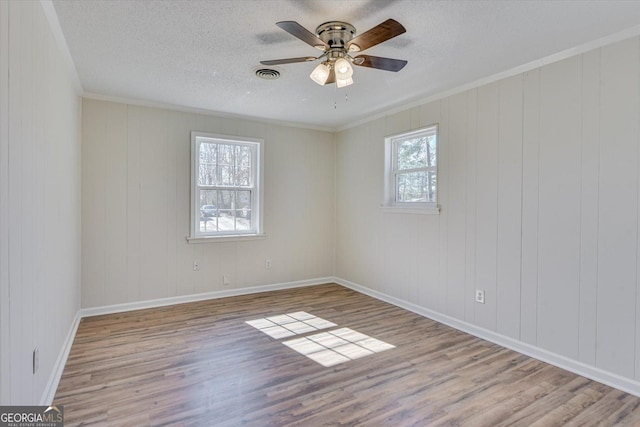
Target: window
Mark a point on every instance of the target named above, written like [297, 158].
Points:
[225, 186]
[411, 170]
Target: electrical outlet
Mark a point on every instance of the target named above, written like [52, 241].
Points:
[226, 280]
[36, 359]
[267, 263]
[480, 296]
[196, 266]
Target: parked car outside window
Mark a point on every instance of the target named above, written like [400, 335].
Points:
[208, 211]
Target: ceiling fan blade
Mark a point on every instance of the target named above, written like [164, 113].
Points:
[297, 30]
[379, 63]
[376, 35]
[289, 60]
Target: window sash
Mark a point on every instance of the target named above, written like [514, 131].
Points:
[231, 166]
[428, 191]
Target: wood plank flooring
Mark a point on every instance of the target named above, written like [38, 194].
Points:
[199, 364]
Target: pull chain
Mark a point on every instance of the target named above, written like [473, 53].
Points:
[335, 97]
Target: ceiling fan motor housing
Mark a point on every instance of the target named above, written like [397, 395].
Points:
[336, 34]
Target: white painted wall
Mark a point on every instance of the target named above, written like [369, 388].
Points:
[539, 189]
[39, 201]
[135, 206]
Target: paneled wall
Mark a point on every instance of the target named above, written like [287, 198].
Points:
[39, 201]
[538, 188]
[135, 206]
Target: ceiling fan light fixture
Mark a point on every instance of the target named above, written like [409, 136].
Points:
[320, 74]
[343, 68]
[345, 82]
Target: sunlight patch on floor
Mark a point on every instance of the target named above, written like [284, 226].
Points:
[290, 324]
[337, 346]
[327, 348]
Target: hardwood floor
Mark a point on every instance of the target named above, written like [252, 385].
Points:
[200, 364]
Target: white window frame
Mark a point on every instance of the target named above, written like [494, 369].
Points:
[391, 204]
[195, 235]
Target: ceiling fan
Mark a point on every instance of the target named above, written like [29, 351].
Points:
[338, 41]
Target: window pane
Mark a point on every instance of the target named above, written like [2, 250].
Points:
[226, 222]
[226, 175]
[243, 176]
[225, 154]
[207, 174]
[431, 186]
[243, 200]
[243, 219]
[412, 187]
[226, 211]
[208, 152]
[208, 224]
[207, 164]
[412, 153]
[431, 150]
[243, 210]
[208, 202]
[208, 210]
[226, 200]
[243, 156]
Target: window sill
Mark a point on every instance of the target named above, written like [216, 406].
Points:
[407, 210]
[226, 238]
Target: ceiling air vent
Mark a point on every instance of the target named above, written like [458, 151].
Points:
[267, 73]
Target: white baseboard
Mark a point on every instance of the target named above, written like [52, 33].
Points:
[622, 383]
[61, 361]
[161, 302]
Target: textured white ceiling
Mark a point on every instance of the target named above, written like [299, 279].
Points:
[202, 54]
